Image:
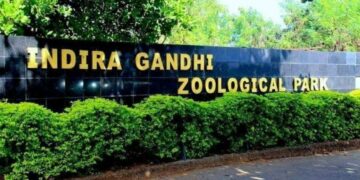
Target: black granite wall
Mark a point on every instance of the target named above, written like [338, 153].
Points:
[57, 88]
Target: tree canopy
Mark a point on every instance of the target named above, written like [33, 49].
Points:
[125, 20]
[110, 20]
[210, 24]
[28, 17]
[309, 24]
[252, 30]
[322, 25]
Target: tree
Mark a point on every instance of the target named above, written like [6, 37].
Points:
[252, 30]
[124, 20]
[210, 24]
[310, 24]
[110, 20]
[322, 25]
[11, 15]
[296, 20]
[27, 17]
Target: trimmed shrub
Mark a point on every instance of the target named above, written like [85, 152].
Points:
[355, 93]
[173, 124]
[290, 114]
[95, 129]
[332, 116]
[27, 131]
[243, 121]
[37, 143]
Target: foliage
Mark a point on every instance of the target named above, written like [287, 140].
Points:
[125, 20]
[323, 25]
[112, 20]
[174, 123]
[210, 24]
[24, 17]
[355, 93]
[27, 131]
[291, 116]
[330, 25]
[243, 122]
[12, 14]
[37, 143]
[320, 25]
[95, 129]
[252, 30]
[332, 116]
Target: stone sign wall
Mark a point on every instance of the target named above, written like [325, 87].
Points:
[56, 72]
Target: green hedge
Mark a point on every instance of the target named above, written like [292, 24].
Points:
[95, 129]
[38, 143]
[355, 93]
[29, 135]
[172, 124]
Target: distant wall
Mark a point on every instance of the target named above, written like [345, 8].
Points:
[56, 88]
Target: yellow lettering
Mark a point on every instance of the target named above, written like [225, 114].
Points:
[84, 64]
[199, 61]
[209, 66]
[172, 61]
[273, 85]
[232, 85]
[210, 85]
[185, 62]
[297, 84]
[244, 85]
[220, 88]
[254, 87]
[305, 85]
[196, 85]
[98, 58]
[114, 61]
[142, 61]
[323, 84]
[157, 62]
[262, 85]
[184, 82]
[46, 58]
[65, 53]
[32, 57]
[314, 84]
[281, 85]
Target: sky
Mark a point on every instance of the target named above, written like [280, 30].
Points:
[270, 9]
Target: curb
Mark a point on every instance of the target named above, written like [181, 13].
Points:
[157, 171]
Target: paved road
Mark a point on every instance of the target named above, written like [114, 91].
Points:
[345, 165]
